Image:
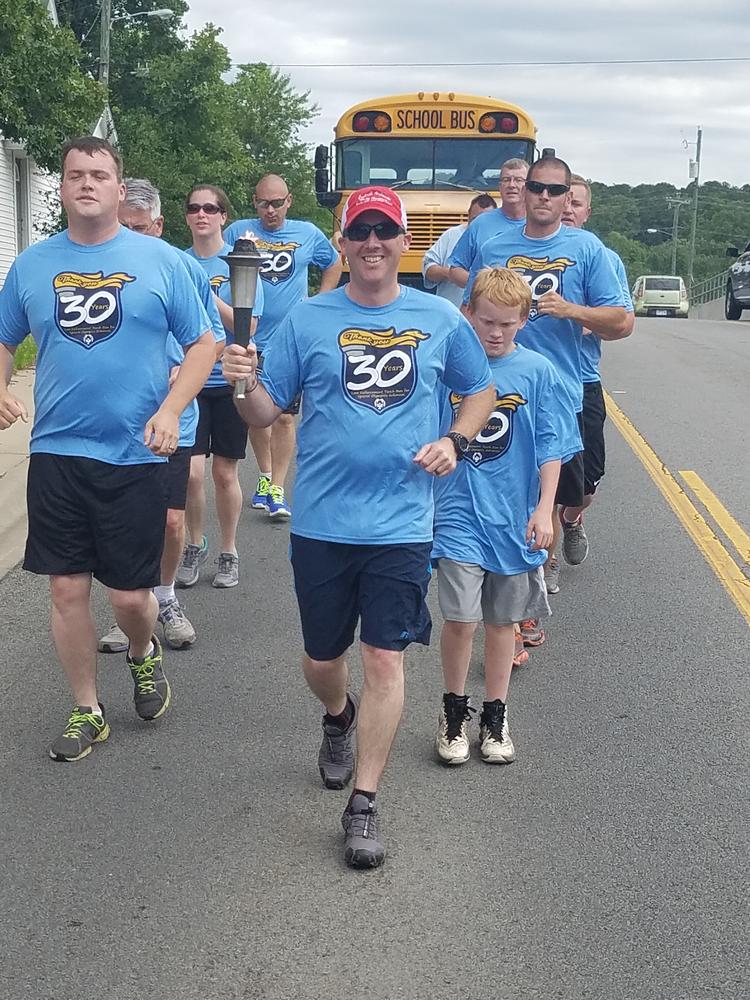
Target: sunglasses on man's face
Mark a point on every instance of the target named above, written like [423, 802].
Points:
[358, 232]
[553, 190]
[270, 202]
[193, 208]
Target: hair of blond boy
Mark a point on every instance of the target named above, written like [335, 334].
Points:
[501, 287]
[582, 182]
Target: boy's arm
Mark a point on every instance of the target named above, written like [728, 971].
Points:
[540, 523]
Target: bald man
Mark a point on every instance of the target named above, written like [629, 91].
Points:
[294, 245]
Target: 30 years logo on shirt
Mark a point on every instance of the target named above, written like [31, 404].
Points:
[380, 366]
[542, 274]
[88, 307]
[280, 266]
[495, 437]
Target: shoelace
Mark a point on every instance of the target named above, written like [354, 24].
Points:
[456, 713]
[363, 824]
[264, 486]
[76, 722]
[144, 676]
[529, 625]
[190, 556]
[225, 563]
[172, 613]
[339, 749]
[277, 494]
[494, 721]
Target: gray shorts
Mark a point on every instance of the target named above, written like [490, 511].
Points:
[468, 593]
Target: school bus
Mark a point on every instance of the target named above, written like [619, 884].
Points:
[437, 150]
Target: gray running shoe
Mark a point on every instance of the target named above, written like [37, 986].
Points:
[83, 729]
[362, 845]
[228, 573]
[552, 576]
[115, 641]
[152, 692]
[575, 545]
[193, 557]
[178, 632]
[336, 756]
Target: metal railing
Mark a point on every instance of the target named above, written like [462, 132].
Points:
[709, 289]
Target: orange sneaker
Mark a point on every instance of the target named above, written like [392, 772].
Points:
[531, 634]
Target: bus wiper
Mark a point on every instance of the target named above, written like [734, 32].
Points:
[460, 187]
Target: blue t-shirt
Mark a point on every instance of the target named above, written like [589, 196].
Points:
[571, 262]
[369, 378]
[483, 228]
[189, 418]
[483, 509]
[101, 317]
[293, 248]
[217, 271]
[591, 345]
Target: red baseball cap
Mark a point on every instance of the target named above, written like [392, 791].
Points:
[374, 199]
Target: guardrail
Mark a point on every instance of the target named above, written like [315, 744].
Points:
[709, 289]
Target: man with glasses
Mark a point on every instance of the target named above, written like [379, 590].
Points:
[369, 357]
[573, 285]
[293, 246]
[510, 215]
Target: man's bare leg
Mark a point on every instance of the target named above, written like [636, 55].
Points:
[135, 612]
[379, 713]
[283, 440]
[74, 634]
[195, 509]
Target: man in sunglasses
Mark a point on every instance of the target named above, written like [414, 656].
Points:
[293, 246]
[369, 358]
[510, 215]
[573, 285]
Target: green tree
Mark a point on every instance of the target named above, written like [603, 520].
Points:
[45, 97]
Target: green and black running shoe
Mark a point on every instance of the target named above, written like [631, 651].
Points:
[152, 692]
[84, 728]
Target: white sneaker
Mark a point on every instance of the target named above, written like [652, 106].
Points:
[496, 744]
[451, 740]
[115, 641]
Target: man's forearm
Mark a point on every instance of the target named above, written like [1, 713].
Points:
[6, 365]
[226, 313]
[549, 474]
[257, 409]
[459, 276]
[473, 412]
[330, 277]
[200, 358]
[437, 273]
[607, 322]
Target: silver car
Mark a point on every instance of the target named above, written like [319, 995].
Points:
[737, 295]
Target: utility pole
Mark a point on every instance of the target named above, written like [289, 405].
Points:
[695, 173]
[105, 29]
[676, 204]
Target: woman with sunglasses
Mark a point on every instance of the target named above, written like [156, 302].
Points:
[221, 431]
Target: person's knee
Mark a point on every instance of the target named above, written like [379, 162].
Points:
[224, 473]
[383, 668]
[197, 472]
[69, 592]
[460, 630]
[284, 423]
[175, 523]
[130, 602]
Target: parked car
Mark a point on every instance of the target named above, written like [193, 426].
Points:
[660, 295]
[737, 295]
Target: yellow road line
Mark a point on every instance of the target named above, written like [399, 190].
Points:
[735, 582]
[734, 531]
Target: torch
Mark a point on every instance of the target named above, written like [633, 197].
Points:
[244, 262]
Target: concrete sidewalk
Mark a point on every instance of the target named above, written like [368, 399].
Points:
[14, 459]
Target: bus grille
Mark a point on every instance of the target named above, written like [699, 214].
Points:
[426, 228]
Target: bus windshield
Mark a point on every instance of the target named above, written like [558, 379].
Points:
[439, 164]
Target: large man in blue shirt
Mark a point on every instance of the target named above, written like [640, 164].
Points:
[293, 246]
[369, 358]
[101, 303]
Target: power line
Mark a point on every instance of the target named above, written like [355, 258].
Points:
[509, 65]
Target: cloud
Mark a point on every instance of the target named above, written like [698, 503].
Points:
[615, 123]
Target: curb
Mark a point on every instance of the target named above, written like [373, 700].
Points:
[14, 460]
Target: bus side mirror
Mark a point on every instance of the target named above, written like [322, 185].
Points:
[732, 252]
[322, 183]
[321, 157]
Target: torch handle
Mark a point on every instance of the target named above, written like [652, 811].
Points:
[242, 320]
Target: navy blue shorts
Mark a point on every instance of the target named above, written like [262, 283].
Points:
[382, 586]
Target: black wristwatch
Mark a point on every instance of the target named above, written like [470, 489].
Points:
[460, 443]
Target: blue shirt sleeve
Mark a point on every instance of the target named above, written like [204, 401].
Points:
[622, 277]
[464, 251]
[200, 279]
[259, 300]
[324, 254]
[14, 326]
[186, 314]
[557, 436]
[467, 370]
[602, 284]
[282, 367]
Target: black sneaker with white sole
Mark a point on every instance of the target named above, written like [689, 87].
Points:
[152, 693]
[362, 845]
[83, 729]
[336, 755]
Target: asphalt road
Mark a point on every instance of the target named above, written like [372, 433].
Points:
[199, 857]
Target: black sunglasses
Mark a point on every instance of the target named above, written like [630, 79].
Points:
[270, 202]
[358, 232]
[554, 190]
[192, 208]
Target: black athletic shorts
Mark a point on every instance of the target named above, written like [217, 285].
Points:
[221, 430]
[594, 415]
[92, 517]
[570, 485]
[384, 586]
[178, 473]
[293, 408]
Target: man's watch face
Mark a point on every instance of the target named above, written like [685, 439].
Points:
[460, 443]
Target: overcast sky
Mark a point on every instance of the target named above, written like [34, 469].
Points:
[612, 123]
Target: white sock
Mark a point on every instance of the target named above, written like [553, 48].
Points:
[265, 475]
[165, 594]
[96, 709]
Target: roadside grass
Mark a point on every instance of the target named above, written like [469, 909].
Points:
[25, 355]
